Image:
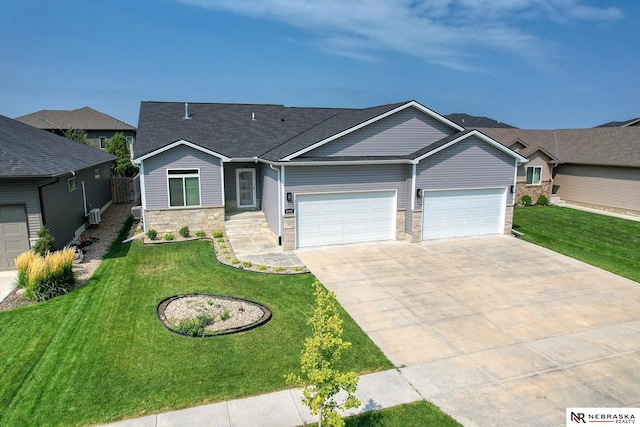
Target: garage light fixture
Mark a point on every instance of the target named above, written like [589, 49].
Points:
[419, 193]
[289, 197]
[513, 189]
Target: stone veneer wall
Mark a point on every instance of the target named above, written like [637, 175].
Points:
[416, 229]
[508, 220]
[172, 220]
[533, 190]
[400, 217]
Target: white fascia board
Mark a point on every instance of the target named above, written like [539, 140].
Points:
[479, 135]
[343, 163]
[175, 144]
[413, 104]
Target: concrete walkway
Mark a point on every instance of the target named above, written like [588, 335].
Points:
[7, 283]
[283, 408]
[599, 211]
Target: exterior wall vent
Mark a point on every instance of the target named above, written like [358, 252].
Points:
[94, 216]
[186, 111]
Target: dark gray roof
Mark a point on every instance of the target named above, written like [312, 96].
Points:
[245, 130]
[627, 123]
[606, 146]
[468, 121]
[26, 151]
[83, 118]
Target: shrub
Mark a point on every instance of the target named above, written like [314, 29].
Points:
[23, 261]
[235, 261]
[225, 315]
[542, 200]
[152, 234]
[223, 246]
[220, 239]
[247, 264]
[50, 275]
[45, 242]
[278, 269]
[167, 236]
[217, 233]
[526, 200]
[262, 267]
[184, 231]
[194, 327]
[200, 233]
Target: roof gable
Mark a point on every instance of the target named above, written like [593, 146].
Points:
[31, 152]
[385, 112]
[179, 143]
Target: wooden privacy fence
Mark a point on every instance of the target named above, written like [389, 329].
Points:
[125, 190]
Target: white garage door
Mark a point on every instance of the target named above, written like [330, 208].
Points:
[332, 219]
[459, 213]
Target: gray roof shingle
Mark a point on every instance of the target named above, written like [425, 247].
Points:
[28, 152]
[85, 118]
[244, 130]
[468, 121]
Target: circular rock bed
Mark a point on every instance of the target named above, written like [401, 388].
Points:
[204, 315]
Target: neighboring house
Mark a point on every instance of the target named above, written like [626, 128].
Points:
[597, 167]
[628, 123]
[468, 121]
[47, 180]
[100, 127]
[323, 176]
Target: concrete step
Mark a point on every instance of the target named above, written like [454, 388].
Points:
[246, 224]
[556, 201]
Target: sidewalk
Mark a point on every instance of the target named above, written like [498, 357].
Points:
[282, 408]
[7, 283]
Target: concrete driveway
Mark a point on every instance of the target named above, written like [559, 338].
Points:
[493, 330]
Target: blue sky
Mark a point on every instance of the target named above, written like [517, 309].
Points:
[531, 63]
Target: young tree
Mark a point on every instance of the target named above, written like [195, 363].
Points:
[77, 135]
[320, 380]
[118, 147]
[45, 242]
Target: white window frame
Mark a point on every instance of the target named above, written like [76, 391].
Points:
[526, 175]
[100, 142]
[194, 174]
[96, 173]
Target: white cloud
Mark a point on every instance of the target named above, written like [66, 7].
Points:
[444, 32]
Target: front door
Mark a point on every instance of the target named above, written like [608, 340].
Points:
[246, 187]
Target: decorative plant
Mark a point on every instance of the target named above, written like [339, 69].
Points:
[235, 261]
[246, 264]
[320, 378]
[200, 233]
[45, 242]
[542, 200]
[48, 276]
[225, 315]
[184, 231]
[152, 234]
[217, 233]
[526, 200]
[168, 236]
[262, 267]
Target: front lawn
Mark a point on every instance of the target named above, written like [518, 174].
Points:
[100, 354]
[607, 242]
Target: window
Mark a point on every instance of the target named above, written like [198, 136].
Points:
[71, 184]
[184, 187]
[96, 173]
[129, 141]
[103, 142]
[534, 174]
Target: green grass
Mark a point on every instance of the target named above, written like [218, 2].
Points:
[418, 414]
[99, 353]
[607, 242]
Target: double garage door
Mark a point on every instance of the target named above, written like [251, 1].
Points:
[338, 218]
[459, 213]
[14, 237]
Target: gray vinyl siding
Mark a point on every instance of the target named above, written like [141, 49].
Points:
[182, 157]
[230, 180]
[471, 163]
[25, 194]
[408, 219]
[404, 132]
[329, 179]
[98, 191]
[607, 186]
[63, 209]
[270, 202]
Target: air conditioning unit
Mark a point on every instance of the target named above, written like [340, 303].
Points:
[94, 216]
[136, 212]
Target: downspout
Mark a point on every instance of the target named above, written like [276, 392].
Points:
[84, 199]
[279, 204]
[143, 197]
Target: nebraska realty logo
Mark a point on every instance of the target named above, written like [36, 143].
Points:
[581, 416]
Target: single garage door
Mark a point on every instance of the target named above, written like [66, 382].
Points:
[337, 218]
[459, 213]
[14, 237]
